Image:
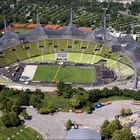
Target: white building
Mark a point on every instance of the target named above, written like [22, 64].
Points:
[121, 1]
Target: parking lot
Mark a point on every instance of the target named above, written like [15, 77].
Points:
[53, 126]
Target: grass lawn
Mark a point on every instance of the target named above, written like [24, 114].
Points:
[19, 133]
[65, 74]
[58, 101]
[63, 103]
[21, 31]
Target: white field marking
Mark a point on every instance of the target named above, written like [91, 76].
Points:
[81, 56]
[88, 45]
[25, 50]
[29, 55]
[42, 54]
[72, 43]
[92, 58]
[56, 73]
[7, 58]
[115, 62]
[94, 54]
[41, 50]
[38, 45]
[101, 49]
[29, 51]
[81, 44]
[89, 41]
[29, 71]
[109, 50]
[14, 53]
[54, 49]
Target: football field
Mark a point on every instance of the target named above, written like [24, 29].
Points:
[65, 74]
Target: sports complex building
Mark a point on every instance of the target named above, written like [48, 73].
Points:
[70, 55]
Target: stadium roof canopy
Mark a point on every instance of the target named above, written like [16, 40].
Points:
[127, 44]
[82, 134]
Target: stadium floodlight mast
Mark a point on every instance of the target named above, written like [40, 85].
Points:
[135, 76]
[6, 32]
[5, 25]
[71, 17]
[38, 26]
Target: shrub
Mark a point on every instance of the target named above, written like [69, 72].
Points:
[88, 109]
[25, 114]
[10, 119]
[68, 124]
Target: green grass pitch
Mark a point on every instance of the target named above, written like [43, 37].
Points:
[26, 134]
[65, 74]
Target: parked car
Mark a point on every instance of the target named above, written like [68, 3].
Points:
[78, 111]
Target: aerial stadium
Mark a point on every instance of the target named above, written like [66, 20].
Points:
[71, 55]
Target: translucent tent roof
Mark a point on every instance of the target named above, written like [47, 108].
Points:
[132, 50]
[101, 35]
[8, 40]
[68, 32]
[35, 35]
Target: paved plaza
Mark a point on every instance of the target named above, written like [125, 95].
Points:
[53, 126]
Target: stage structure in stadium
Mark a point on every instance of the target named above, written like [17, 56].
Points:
[124, 44]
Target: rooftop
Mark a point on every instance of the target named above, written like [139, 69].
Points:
[84, 134]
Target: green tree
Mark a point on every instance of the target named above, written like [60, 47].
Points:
[34, 100]
[68, 124]
[25, 114]
[43, 110]
[128, 111]
[104, 129]
[123, 134]
[118, 123]
[24, 98]
[51, 108]
[14, 119]
[60, 86]
[113, 126]
[117, 136]
[18, 101]
[10, 119]
[6, 119]
[9, 105]
[88, 109]
[123, 112]
[16, 109]
[75, 102]
[126, 134]
[136, 95]
[3, 104]
[115, 91]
